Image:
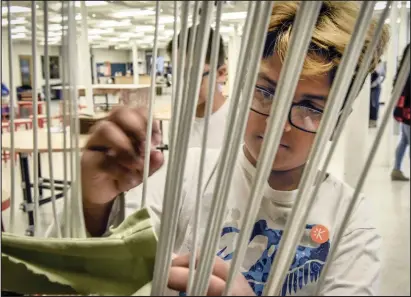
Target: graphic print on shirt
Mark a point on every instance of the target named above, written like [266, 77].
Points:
[305, 268]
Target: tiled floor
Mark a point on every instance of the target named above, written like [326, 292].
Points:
[391, 204]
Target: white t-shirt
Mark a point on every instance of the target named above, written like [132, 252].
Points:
[216, 129]
[355, 270]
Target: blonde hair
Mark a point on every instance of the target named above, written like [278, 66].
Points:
[332, 33]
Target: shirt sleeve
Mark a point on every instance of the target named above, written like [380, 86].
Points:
[355, 270]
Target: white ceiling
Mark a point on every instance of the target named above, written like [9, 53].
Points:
[118, 23]
[113, 23]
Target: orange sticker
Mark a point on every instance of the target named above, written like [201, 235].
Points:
[319, 234]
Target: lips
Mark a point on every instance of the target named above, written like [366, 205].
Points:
[281, 144]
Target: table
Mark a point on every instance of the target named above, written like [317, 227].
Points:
[23, 145]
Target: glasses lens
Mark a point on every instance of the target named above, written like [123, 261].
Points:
[306, 118]
[262, 101]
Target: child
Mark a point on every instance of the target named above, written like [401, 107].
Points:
[355, 269]
[220, 104]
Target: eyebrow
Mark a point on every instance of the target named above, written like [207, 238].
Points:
[273, 83]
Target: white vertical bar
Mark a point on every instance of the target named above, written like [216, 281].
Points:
[399, 86]
[303, 27]
[37, 225]
[46, 68]
[150, 108]
[295, 223]
[178, 102]
[85, 58]
[76, 201]
[209, 105]
[174, 56]
[135, 62]
[12, 148]
[188, 66]
[232, 141]
[172, 199]
[66, 111]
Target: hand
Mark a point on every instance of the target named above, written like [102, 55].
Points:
[179, 272]
[113, 159]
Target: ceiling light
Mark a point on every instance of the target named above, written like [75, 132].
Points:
[233, 15]
[18, 21]
[133, 13]
[94, 37]
[18, 36]
[145, 29]
[100, 31]
[166, 20]
[58, 19]
[131, 34]
[93, 15]
[92, 3]
[19, 29]
[225, 29]
[15, 9]
[55, 27]
[117, 39]
[112, 23]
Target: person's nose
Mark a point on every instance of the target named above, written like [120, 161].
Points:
[287, 125]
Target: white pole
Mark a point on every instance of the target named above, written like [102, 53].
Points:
[84, 59]
[135, 63]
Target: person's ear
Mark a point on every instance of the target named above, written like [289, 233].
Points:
[222, 74]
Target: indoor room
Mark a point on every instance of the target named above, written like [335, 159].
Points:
[142, 139]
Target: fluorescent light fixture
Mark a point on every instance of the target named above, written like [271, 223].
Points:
[100, 31]
[15, 9]
[54, 34]
[145, 28]
[92, 3]
[233, 15]
[94, 37]
[166, 20]
[131, 34]
[18, 36]
[112, 23]
[55, 27]
[19, 29]
[58, 19]
[133, 13]
[118, 39]
[18, 21]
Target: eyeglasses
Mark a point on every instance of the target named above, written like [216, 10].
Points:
[303, 115]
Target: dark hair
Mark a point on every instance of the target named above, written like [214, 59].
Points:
[221, 51]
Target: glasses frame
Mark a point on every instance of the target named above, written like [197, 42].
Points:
[289, 112]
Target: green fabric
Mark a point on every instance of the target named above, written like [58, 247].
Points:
[120, 264]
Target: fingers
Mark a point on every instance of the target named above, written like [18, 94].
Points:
[178, 280]
[220, 268]
[110, 139]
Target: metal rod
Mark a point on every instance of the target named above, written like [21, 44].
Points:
[174, 56]
[76, 201]
[304, 25]
[46, 67]
[165, 242]
[188, 66]
[150, 108]
[180, 79]
[170, 214]
[209, 106]
[66, 112]
[233, 140]
[295, 223]
[37, 225]
[398, 88]
[12, 147]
